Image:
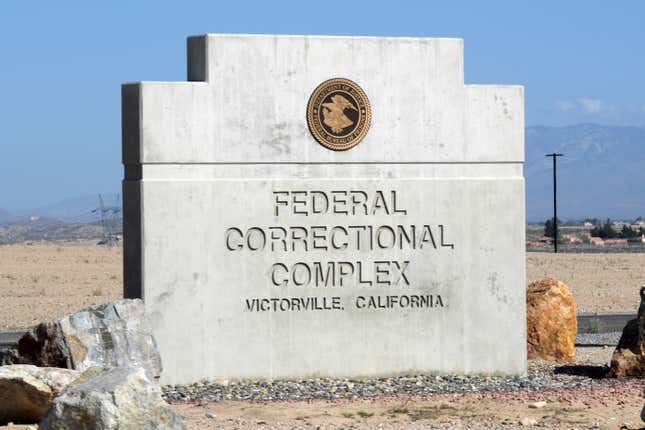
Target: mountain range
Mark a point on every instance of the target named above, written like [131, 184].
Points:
[600, 175]
[80, 209]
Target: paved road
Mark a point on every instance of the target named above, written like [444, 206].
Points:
[587, 323]
[603, 323]
[10, 337]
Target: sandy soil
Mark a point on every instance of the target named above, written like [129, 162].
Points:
[44, 281]
[598, 282]
[582, 408]
[573, 409]
[615, 407]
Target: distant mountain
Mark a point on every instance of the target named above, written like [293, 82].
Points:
[78, 209]
[6, 217]
[602, 172]
[9, 218]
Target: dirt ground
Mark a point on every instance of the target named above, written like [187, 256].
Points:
[598, 282]
[614, 407]
[582, 408]
[573, 409]
[61, 278]
[44, 281]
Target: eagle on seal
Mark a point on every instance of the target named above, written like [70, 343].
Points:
[334, 115]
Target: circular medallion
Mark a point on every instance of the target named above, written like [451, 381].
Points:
[339, 114]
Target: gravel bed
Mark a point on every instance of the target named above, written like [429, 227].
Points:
[541, 375]
[611, 338]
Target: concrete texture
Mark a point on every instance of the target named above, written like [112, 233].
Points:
[216, 169]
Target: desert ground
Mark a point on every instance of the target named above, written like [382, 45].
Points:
[565, 409]
[42, 281]
[611, 407]
[598, 282]
[46, 280]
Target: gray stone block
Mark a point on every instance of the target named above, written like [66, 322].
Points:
[261, 253]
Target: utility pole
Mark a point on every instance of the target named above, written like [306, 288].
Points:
[555, 201]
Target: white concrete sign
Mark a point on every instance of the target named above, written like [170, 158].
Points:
[283, 224]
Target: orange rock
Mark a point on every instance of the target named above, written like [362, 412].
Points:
[551, 324]
[629, 357]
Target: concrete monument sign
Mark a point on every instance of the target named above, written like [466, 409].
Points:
[326, 206]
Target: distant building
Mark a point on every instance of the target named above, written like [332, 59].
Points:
[596, 241]
[588, 225]
[534, 244]
[616, 242]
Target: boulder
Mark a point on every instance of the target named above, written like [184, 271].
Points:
[551, 323]
[111, 334]
[111, 398]
[629, 357]
[43, 346]
[26, 391]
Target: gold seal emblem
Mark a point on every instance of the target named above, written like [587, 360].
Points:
[339, 114]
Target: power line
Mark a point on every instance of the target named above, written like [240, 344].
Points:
[109, 217]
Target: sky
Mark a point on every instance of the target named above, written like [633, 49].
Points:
[62, 64]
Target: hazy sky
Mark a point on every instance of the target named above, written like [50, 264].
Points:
[62, 63]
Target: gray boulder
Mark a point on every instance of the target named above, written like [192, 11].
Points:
[26, 391]
[118, 398]
[111, 334]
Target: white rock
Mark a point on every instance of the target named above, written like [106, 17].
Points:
[537, 405]
[116, 398]
[528, 421]
[110, 334]
[27, 391]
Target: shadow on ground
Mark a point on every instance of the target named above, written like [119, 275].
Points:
[589, 371]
